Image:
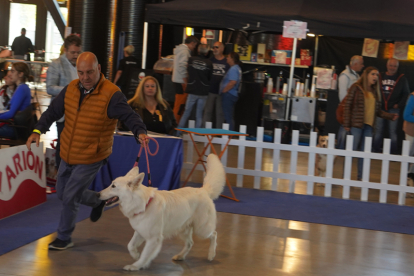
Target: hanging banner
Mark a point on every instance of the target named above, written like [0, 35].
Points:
[410, 55]
[401, 49]
[295, 29]
[370, 48]
[22, 179]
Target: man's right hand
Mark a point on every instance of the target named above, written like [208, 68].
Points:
[184, 85]
[34, 137]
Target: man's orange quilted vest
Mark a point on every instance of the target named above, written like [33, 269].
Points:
[88, 134]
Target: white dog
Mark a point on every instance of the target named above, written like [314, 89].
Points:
[155, 215]
[320, 162]
[321, 159]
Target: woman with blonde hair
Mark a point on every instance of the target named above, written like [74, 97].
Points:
[153, 109]
[126, 64]
[362, 105]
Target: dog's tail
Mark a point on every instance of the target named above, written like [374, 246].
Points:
[215, 177]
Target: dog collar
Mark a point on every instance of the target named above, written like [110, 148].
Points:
[149, 201]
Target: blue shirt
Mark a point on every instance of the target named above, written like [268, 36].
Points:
[20, 100]
[220, 67]
[409, 110]
[234, 74]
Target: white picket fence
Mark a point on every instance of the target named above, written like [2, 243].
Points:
[294, 148]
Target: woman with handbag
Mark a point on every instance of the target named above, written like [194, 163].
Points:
[18, 75]
[362, 105]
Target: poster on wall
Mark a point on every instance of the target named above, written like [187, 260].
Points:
[323, 78]
[401, 49]
[22, 179]
[370, 48]
[244, 51]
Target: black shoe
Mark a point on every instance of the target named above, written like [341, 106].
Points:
[58, 244]
[97, 212]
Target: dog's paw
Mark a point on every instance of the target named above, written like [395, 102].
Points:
[211, 256]
[178, 257]
[134, 255]
[131, 268]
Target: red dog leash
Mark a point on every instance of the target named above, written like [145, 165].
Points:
[147, 151]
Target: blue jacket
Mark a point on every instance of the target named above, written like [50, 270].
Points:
[20, 100]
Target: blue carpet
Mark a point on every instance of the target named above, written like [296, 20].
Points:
[315, 209]
[42, 220]
[33, 224]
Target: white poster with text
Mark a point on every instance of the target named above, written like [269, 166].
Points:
[22, 179]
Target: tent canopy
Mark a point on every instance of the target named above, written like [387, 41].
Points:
[378, 19]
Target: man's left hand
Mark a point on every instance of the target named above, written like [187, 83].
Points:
[143, 138]
[395, 117]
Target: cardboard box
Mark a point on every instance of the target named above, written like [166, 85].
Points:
[261, 48]
[281, 56]
[306, 60]
[304, 52]
[253, 57]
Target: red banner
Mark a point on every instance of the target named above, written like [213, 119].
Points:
[22, 179]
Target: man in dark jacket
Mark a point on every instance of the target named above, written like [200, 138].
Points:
[395, 91]
[22, 46]
[200, 70]
[92, 105]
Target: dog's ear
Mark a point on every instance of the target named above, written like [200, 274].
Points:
[136, 181]
[134, 171]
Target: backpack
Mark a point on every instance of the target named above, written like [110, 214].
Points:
[341, 109]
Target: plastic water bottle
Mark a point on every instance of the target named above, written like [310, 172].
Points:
[270, 85]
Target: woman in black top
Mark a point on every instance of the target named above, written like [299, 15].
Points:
[153, 109]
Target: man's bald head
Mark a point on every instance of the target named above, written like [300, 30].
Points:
[87, 57]
[218, 48]
[89, 70]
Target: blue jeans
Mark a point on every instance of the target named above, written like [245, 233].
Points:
[228, 103]
[7, 132]
[359, 143]
[199, 102]
[72, 189]
[392, 133]
[59, 127]
[342, 133]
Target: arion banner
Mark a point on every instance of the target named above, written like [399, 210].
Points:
[22, 179]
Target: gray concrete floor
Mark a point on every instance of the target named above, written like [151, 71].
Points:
[246, 245]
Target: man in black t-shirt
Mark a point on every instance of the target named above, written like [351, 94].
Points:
[394, 93]
[22, 46]
[220, 67]
[125, 65]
